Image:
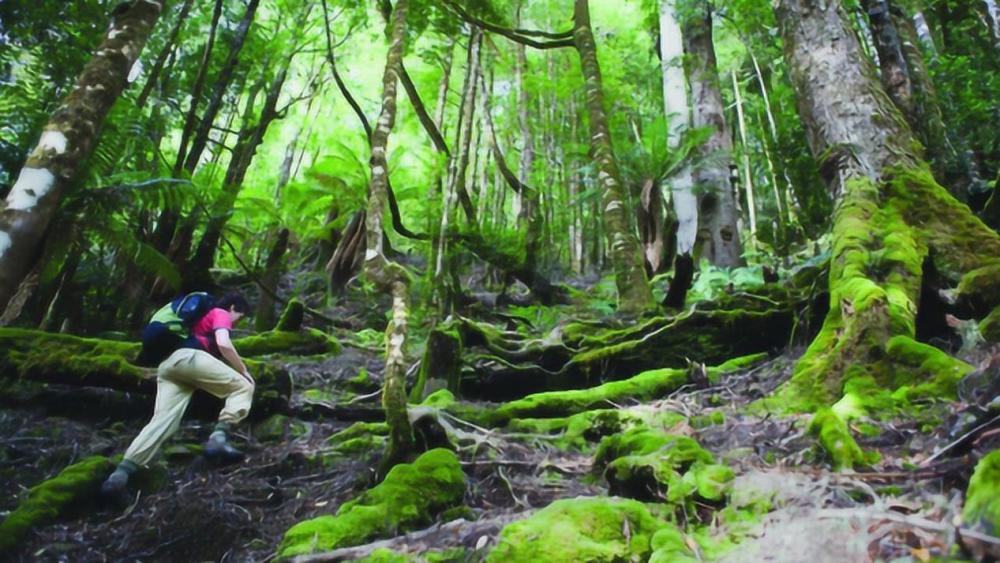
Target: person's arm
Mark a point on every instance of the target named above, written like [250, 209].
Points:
[229, 352]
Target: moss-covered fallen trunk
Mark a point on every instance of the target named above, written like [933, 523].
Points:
[506, 366]
[74, 487]
[44, 357]
[590, 529]
[646, 386]
[305, 342]
[411, 495]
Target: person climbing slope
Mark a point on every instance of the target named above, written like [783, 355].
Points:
[208, 361]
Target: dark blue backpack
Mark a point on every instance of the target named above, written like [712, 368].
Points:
[192, 307]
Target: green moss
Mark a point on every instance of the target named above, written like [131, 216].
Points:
[53, 498]
[62, 358]
[439, 399]
[360, 438]
[836, 438]
[362, 382]
[411, 495]
[304, 342]
[578, 430]
[645, 386]
[272, 429]
[651, 465]
[580, 529]
[982, 500]
[442, 360]
[881, 236]
[990, 326]
[705, 420]
[292, 317]
[670, 546]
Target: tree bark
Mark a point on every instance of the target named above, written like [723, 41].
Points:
[66, 143]
[634, 294]
[161, 59]
[891, 218]
[221, 84]
[266, 315]
[717, 213]
[387, 275]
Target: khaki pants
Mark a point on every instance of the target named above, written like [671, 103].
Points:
[177, 377]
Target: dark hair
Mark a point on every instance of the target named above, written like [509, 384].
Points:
[234, 300]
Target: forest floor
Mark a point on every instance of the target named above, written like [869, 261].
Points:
[903, 505]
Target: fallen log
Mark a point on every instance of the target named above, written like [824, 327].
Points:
[43, 357]
[506, 365]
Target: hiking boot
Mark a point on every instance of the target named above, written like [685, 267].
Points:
[217, 448]
[115, 487]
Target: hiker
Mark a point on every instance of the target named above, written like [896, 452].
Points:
[200, 363]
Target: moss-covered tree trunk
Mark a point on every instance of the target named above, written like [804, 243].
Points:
[634, 293]
[718, 232]
[891, 219]
[389, 276]
[66, 142]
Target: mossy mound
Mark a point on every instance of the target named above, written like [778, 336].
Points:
[49, 500]
[301, 343]
[360, 438]
[651, 465]
[411, 495]
[982, 500]
[581, 529]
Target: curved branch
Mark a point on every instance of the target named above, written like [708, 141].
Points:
[425, 118]
[397, 218]
[560, 39]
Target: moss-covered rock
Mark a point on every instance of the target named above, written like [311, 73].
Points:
[302, 342]
[650, 465]
[411, 495]
[71, 488]
[982, 500]
[581, 529]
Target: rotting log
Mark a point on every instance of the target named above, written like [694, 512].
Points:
[504, 365]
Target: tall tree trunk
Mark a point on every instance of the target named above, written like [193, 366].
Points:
[523, 208]
[678, 114]
[385, 274]
[246, 147]
[161, 58]
[891, 219]
[66, 143]
[717, 214]
[222, 81]
[191, 117]
[634, 294]
[458, 178]
[747, 172]
[266, 316]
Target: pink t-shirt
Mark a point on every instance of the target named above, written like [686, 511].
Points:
[204, 330]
